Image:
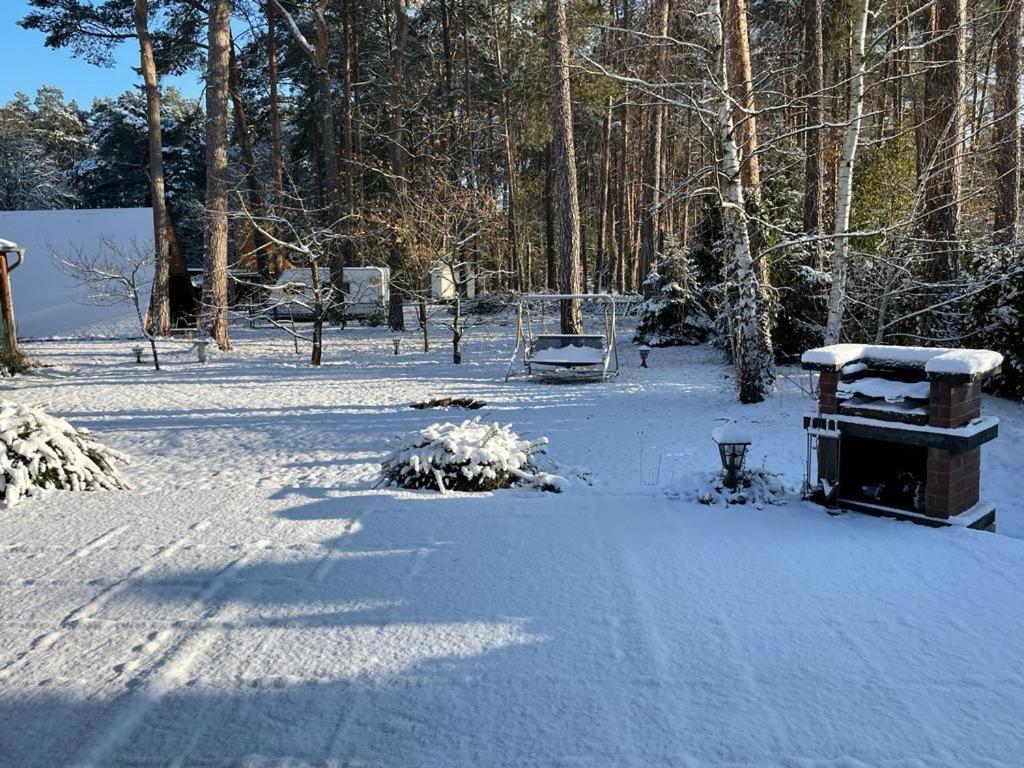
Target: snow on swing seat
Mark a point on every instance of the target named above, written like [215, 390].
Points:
[554, 356]
[569, 350]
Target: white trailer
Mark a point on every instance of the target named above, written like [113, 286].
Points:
[445, 287]
[367, 290]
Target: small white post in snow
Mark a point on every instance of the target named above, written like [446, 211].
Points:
[201, 350]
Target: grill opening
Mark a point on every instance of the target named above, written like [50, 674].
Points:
[888, 394]
[883, 473]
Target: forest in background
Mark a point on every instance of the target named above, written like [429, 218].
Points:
[786, 171]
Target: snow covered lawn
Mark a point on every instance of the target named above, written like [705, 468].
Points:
[254, 601]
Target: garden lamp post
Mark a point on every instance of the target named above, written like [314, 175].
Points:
[644, 352]
[732, 448]
[397, 341]
[137, 351]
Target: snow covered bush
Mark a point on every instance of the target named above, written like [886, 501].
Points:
[755, 486]
[14, 362]
[41, 452]
[471, 456]
[673, 313]
[997, 315]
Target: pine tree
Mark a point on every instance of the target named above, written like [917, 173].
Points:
[674, 312]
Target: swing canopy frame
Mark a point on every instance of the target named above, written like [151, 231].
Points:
[550, 355]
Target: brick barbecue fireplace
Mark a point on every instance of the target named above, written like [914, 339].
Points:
[899, 430]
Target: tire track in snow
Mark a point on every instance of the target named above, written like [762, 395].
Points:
[319, 575]
[84, 612]
[90, 547]
[643, 631]
[331, 559]
[740, 657]
[183, 648]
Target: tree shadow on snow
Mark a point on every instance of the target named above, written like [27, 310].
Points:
[429, 635]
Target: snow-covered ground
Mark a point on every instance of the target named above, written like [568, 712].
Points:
[255, 601]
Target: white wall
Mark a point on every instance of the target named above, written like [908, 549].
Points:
[49, 303]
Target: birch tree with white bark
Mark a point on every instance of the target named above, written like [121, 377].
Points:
[844, 180]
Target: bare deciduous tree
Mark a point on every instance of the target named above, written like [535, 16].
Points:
[113, 274]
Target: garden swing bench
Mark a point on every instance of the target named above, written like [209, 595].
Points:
[554, 356]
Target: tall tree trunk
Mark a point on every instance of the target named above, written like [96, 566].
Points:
[752, 345]
[604, 234]
[943, 136]
[844, 183]
[449, 77]
[161, 302]
[814, 158]
[550, 252]
[216, 268]
[564, 152]
[349, 127]
[396, 311]
[510, 168]
[625, 209]
[275, 128]
[1006, 126]
[467, 97]
[742, 91]
[328, 138]
[347, 116]
[254, 190]
[650, 230]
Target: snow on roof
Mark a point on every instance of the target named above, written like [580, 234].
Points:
[352, 274]
[938, 360]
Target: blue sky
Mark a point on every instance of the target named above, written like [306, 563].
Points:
[27, 64]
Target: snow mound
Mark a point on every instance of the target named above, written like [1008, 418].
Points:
[42, 452]
[471, 456]
[755, 486]
[964, 361]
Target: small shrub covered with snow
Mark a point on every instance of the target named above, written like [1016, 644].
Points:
[41, 452]
[755, 486]
[471, 456]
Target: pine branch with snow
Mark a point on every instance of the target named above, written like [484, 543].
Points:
[42, 452]
[471, 456]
